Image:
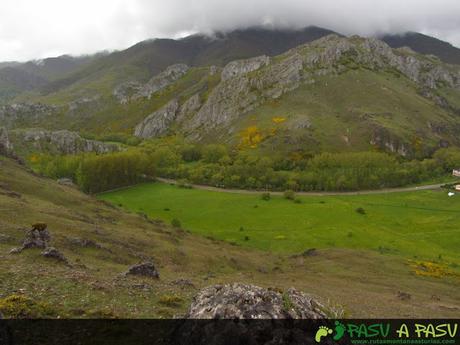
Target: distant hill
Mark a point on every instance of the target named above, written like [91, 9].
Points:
[424, 44]
[17, 77]
[14, 81]
[150, 57]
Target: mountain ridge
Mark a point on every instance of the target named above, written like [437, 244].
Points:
[150, 57]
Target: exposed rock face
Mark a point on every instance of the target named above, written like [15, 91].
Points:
[146, 269]
[240, 301]
[164, 79]
[240, 67]
[158, 123]
[5, 145]
[190, 107]
[225, 103]
[133, 90]
[64, 142]
[53, 253]
[13, 113]
[125, 91]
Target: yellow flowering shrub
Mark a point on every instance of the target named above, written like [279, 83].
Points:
[430, 269]
[278, 119]
[251, 137]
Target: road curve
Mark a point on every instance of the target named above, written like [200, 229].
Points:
[363, 192]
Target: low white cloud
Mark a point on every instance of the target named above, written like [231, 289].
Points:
[40, 28]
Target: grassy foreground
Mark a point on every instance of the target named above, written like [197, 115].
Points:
[422, 224]
[364, 282]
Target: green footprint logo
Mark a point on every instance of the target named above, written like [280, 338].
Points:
[339, 330]
[322, 332]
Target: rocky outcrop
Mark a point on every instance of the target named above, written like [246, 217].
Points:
[241, 67]
[190, 107]
[376, 54]
[53, 253]
[162, 80]
[146, 269]
[158, 123]
[12, 114]
[5, 145]
[226, 103]
[133, 90]
[35, 238]
[63, 142]
[125, 91]
[241, 301]
[243, 92]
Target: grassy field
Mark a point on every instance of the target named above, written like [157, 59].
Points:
[364, 282]
[421, 224]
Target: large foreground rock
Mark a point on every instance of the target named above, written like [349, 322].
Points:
[241, 301]
[247, 314]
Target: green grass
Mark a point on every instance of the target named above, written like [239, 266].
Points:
[94, 286]
[422, 224]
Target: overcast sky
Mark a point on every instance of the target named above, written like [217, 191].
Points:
[32, 29]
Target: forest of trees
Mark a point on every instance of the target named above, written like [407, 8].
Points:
[216, 165]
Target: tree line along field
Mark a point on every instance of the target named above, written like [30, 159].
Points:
[218, 165]
[422, 225]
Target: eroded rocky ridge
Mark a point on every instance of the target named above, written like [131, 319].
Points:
[246, 84]
[61, 142]
[133, 90]
[158, 123]
[13, 114]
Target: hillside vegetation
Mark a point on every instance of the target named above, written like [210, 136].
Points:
[93, 284]
[333, 94]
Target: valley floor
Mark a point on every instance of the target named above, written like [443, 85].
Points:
[366, 282]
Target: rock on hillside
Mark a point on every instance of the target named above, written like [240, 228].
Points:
[134, 90]
[158, 123]
[12, 114]
[240, 67]
[5, 145]
[240, 301]
[63, 142]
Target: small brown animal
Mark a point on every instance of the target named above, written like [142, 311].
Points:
[39, 226]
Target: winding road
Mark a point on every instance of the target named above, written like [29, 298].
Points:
[363, 192]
